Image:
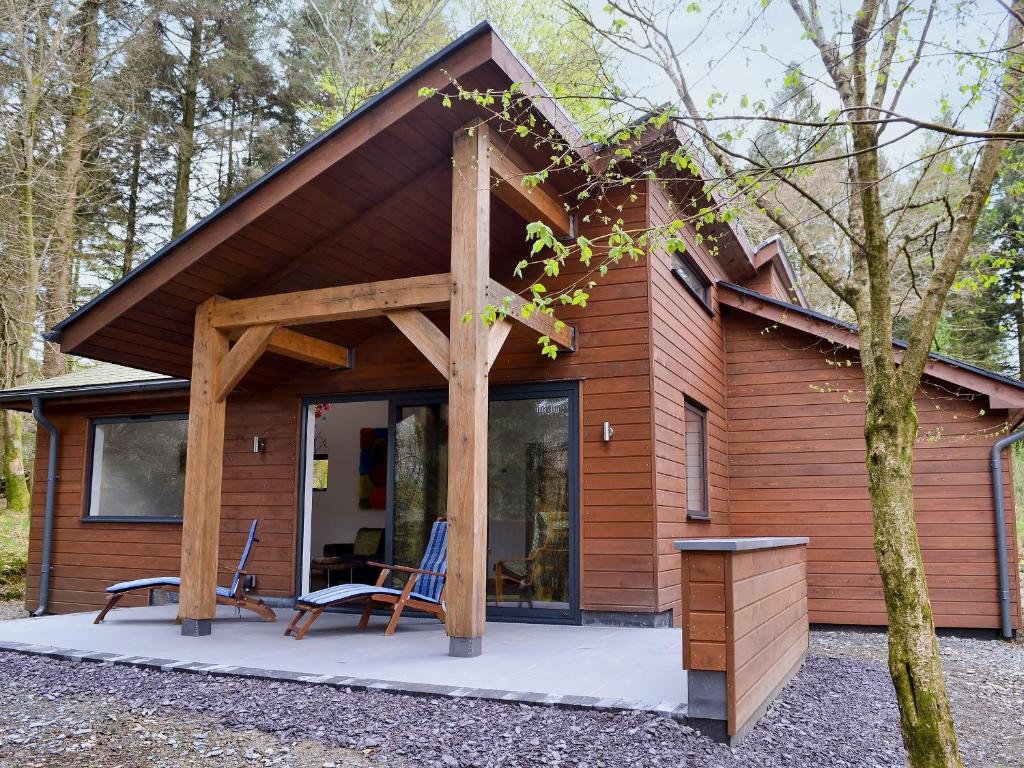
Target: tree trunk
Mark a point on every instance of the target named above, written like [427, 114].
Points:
[16, 487]
[132, 215]
[890, 431]
[186, 144]
[1018, 316]
[20, 312]
[57, 304]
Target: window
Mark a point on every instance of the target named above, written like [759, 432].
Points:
[690, 276]
[137, 467]
[696, 461]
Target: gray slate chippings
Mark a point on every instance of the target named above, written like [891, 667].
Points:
[838, 712]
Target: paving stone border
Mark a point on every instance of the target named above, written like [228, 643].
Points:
[659, 708]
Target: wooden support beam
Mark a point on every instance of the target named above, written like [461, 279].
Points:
[308, 349]
[246, 351]
[425, 336]
[346, 302]
[532, 203]
[496, 339]
[468, 393]
[543, 324]
[204, 462]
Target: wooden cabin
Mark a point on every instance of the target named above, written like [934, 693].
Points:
[306, 364]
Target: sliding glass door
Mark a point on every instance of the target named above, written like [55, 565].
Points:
[532, 529]
[529, 526]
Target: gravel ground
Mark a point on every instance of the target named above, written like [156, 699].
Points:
[984, 679]
[839, 711]
[12, 609]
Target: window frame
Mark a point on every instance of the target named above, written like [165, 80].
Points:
[704, 299]
[701, 412]
[87, 517]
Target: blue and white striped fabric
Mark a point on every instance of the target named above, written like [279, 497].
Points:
[155, 583]
[428, 588]
[434, 559]
[343, 592]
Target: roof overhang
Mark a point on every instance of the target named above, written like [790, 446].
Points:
[21, 399]
[1003, 393]
[773, 251]
[108, 327]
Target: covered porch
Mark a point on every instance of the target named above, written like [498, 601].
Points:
[588, 666]
[232, 335]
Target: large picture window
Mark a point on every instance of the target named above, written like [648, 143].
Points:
[696, 461]
[137, 467]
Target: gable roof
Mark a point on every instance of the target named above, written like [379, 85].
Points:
[325, 207]
[1002, 391]
[562, 120]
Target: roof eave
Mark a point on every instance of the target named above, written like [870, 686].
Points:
[1002, 391]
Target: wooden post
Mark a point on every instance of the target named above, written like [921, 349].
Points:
[468, 393]
[204, 463]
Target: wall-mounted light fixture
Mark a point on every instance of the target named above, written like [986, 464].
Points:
[607, 430]
[259, 445]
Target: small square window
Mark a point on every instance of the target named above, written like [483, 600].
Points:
[690, 276]
[696, 461]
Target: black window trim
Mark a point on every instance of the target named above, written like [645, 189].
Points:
[703, 300]
[87, 487]
[702, 412]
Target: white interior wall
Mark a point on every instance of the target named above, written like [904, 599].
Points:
[336, 512]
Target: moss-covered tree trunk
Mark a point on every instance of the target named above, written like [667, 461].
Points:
[15, 486]
[890, 431]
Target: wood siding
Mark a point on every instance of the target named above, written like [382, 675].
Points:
[617, 543]
[767, 628]
[703, 584]
[796, 414]
[769, 281]
[688, 361]
[745, 615]
[89, 555]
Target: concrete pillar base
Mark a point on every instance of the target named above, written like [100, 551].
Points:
[465, 647]
[196, 627]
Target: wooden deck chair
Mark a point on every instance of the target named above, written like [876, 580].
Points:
[424, 591]
[233, 595]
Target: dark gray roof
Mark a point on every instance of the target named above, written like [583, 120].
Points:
[94, 379]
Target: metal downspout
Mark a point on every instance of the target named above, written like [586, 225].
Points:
[51, 493]
[1005, 623]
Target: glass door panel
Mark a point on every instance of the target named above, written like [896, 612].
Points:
[528, 525]
[420, 479]
[531, 536]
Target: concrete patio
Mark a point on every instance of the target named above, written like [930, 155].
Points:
[601, 667]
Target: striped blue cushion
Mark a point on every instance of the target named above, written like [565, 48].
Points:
[156, 582]
[152, 583]
[343, 592]
[428, 588]
[434, 559]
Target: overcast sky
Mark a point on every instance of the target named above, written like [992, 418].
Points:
[737, 48]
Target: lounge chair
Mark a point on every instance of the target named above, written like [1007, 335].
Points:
[424, 590]
[232, 595]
